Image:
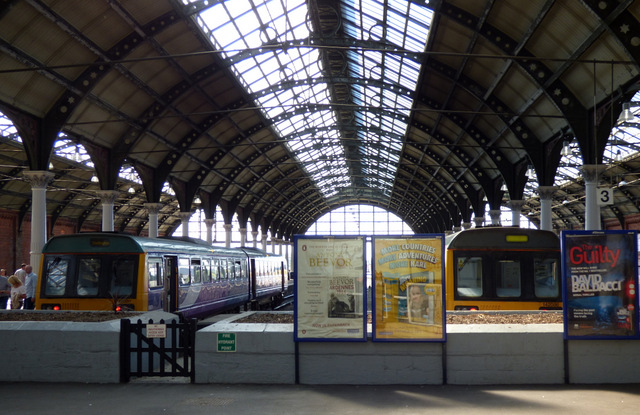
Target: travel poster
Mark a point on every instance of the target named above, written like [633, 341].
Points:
[329, 301]
[408, 288]
[600, 276]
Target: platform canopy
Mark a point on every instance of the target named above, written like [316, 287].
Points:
[280, 111]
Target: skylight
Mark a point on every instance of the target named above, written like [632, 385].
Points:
[274, 54]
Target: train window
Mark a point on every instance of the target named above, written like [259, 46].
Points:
[123, 276]
[469, 276]
[183, 271]
[546, 277]
[223, 269]
[196, 277]
[509, 278]
[238, 269]
[206, 270]
[156, 276]
[215, 271]
[55, 277]
[88, 276]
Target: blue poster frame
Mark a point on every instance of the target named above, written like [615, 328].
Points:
[378, 308]
[590, 260]
[300, 282]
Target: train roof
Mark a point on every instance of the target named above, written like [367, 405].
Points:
[503, 237]
[114, 242]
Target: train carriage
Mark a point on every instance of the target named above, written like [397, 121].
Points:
[109, 271]
[502, 268]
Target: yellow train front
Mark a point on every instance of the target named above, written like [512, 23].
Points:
[111, 271]
[502, 268]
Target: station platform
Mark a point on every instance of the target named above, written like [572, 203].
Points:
[173, 398]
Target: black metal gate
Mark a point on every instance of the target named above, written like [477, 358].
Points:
[157, 349]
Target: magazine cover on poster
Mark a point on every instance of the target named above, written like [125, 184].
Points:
[600, 276]
[329, 303]
[408, 298]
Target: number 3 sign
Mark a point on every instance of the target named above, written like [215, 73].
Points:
[605, 196]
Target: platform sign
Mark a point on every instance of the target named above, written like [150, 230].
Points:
[409, 298]
[329, 304]
[600, 280]
[156, 331]
[226, 342]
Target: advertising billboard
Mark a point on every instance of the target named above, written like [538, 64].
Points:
[330, 301]
[408, 276]
[600, 276]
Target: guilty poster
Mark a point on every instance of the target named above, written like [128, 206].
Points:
[600, 276]
[329, 302]
[408, 288]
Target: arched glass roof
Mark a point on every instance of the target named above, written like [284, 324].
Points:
[296, 90]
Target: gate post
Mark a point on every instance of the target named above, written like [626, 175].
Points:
[125, 350]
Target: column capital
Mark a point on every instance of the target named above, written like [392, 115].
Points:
[108, 196]
[516, 204]
[546, 192]
[153, 208]
[184, 216]
[591, 172]
[39, 179]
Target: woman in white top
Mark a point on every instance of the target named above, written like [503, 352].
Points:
[18, 292]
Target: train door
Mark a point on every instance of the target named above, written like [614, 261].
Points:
[253, 279]
[171, 283]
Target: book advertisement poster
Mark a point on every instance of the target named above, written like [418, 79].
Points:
[408, 288]
[329, 301]
[600, 276]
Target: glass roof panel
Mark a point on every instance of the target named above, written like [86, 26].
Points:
[283, 79]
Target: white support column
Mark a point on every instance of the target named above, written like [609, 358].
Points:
[254, 234]
[227, 235]
[39, 181]
[184, 220]
[153, 209]
[264, 242]
[546, 193]
[243, 236]
[210, 223]
[591, 174]
[516, 208]
[108, 199]
[494, 214]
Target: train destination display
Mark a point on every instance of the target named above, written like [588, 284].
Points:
[600, 276]
[329, 302]
[408, 288]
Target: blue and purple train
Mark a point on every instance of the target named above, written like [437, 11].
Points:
[113, 271]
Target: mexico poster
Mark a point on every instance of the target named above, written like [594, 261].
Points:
[408, 300]
[330, 303]
[600, 276]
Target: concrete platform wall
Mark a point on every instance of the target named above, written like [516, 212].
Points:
[267, 354]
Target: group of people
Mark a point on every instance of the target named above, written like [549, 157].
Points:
[19, 288]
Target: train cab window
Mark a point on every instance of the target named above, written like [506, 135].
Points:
[183, 271]
[469, 276]
[123, 273]
[509, 279]
[196, 276]
[88, 276]
[206, 270]
[156, 274]
[546, 277]
[237, 265]
[55, 275]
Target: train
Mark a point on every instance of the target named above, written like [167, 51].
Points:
[503, 268]
[108, 271]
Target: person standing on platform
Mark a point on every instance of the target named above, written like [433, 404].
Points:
[30, 287]
[21, 273]
[18, 292]
[5, 289]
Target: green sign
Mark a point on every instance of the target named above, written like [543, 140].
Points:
[226, 342]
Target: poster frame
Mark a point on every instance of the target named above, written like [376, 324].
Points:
[566, 276]
[297, 239]
[374, 287]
